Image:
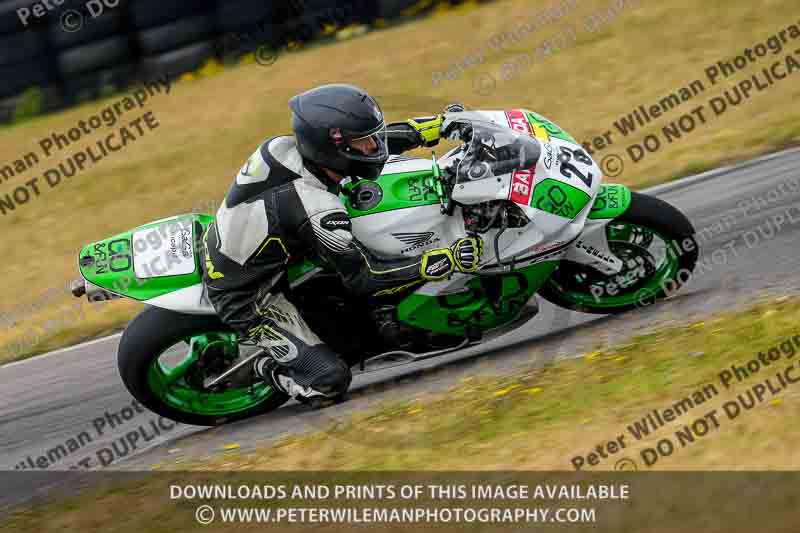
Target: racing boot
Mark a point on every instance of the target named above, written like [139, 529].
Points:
[280, 377]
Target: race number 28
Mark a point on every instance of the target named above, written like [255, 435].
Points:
[569, 170]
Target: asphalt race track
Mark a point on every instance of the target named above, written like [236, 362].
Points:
[48, 400]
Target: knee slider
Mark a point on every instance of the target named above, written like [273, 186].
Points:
[335, 381]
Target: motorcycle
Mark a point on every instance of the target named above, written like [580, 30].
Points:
[551, 228]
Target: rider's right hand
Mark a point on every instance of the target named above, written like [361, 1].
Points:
[463, 256]
[437, 264]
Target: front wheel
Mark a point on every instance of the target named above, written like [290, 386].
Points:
[657, 245]
[166, 358]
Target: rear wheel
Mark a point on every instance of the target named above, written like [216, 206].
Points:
[165, 358]
[656, 243]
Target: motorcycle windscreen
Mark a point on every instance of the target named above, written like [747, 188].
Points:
[498, 164]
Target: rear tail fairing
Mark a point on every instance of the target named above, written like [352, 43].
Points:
[158, 263]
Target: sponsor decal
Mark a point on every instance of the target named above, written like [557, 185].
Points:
[522, 186]
[549, 155]
[100, 259]
[419, 192]
[549, 128]
[517, 121]
[540, 133]
[612, 197]
[416, 240]
[607, 199]
[185, 242]
[440, 266]
[401, 288]
[114, 256]
[557, 202]
[163, 250]
[559, 198]
[591, 250]
[334, 221]
[181, 241]
[546, 247]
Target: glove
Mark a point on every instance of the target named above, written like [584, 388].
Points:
[467, 253]
[437, 264]
[464, 256]
[428, 129]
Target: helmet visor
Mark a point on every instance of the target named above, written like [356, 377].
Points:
[370, 148]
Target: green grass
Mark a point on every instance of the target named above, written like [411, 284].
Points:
[537, 420]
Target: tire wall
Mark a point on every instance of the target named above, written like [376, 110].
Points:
[85, 49]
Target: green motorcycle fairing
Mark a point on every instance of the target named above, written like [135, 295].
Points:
[113, 263]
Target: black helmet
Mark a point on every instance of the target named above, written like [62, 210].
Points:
[327, 119]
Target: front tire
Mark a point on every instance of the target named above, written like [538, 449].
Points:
[177, 396]
[642, 282]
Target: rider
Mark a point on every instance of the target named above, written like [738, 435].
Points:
[284, 203]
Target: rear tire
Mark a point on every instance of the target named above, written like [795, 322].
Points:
[647, 212]
[152, 332]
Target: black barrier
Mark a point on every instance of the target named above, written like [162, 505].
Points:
[58, 53]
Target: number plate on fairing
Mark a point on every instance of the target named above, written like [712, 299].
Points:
[164, 250]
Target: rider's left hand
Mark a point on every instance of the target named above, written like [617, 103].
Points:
[428, 128]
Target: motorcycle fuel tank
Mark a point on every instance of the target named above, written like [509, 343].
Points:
[399, 214]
